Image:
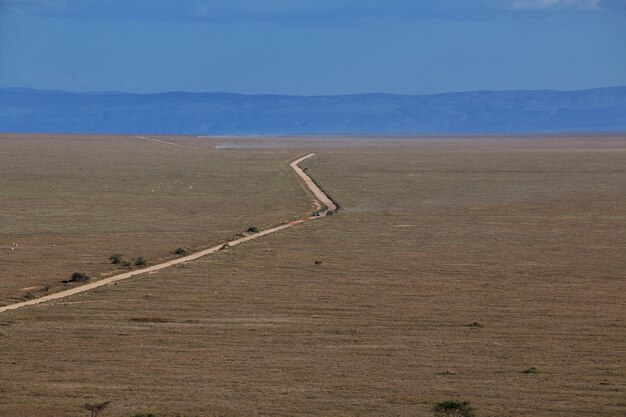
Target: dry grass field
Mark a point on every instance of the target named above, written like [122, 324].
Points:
[454, 265]
[68, 203]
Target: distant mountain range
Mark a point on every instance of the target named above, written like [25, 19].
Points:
[36, 111]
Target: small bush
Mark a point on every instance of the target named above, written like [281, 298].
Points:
[453, 408]
[225, 246]
[79, 277]
[318, 262]
[330, 212]
[140, 262]
[115, 258]
[531, 370]
[182, 251]
[126, 265]
[253, 229]
[447, 372]
[475, 324]
[144, 415]
[2, 334]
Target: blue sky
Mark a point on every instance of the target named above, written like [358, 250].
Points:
[312, 46]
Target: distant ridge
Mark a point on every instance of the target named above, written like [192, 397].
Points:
[24, 110]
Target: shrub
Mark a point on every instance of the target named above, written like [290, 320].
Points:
[453, 408]
[115, 258]
[447, 372]
[475, 324]
[140, 262]
[144, 415]
[531, 370]
[253, 229]
[182, 251]
[126, 265]
[2, 334]
[79, 277]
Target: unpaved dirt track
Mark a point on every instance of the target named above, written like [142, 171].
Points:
[322, 201]
[311, 185]
[163, 141]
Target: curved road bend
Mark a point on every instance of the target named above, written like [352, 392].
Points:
[321, 199]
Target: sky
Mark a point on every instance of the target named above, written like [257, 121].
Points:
[312, 47]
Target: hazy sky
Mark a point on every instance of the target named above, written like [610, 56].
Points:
[312, 46]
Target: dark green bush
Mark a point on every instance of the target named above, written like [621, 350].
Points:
[79, 277]
[115, 258]
[182, 251]
[253, 229]
[140, 262]
[453, 408]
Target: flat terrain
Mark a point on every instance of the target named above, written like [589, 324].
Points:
[522, 237]
[70, 202]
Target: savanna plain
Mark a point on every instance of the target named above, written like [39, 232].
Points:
[483, 269]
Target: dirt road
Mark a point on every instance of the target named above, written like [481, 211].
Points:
[163, 141]
[324, 203]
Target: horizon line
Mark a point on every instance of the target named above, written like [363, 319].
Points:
[103, 92]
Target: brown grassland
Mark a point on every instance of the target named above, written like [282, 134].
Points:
[68, 203]
[453, 265]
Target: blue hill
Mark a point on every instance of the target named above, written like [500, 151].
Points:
[27, 110]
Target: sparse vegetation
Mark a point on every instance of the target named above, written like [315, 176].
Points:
[116, 258]
[182, 251]
[2, 334]
[126, 265]
[531, 370]
[79, 277]
[447, 372]
[475, 324]
[411, 262]
[452, 408]
[111, 231]
[140, 262]
[144, 415]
